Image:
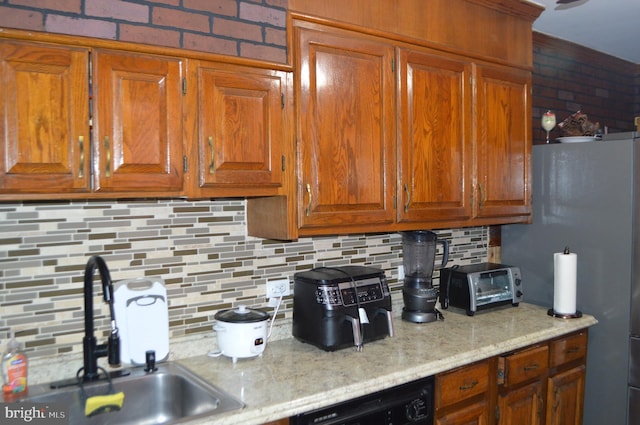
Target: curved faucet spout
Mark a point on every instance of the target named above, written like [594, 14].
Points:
[91, 350]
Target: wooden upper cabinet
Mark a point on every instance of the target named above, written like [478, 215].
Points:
[345, 116]
[44, 119]
[241, 127]
[435, 147]
[137, 120]
[503, 127]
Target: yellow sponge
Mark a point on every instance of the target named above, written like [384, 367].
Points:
[103, 403]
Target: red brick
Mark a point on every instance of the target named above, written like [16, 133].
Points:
[205, 43]
[255, 51]
[239, 30]
[257, 13]
[117, 10]
[21, 19]
[284, 4]
[167, 2]
[276, 36]
[72, 6]
[218, 7]
[147, 35]
[80, 26]
[178, 19]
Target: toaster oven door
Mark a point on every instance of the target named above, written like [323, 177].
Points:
[493, 287]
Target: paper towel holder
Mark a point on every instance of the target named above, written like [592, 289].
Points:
[575, 315]
[551, 312]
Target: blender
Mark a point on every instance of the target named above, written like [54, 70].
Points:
[418, 258]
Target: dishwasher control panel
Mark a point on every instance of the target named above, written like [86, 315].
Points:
[406, 404]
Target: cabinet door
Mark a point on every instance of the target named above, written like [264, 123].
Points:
[241, 127]
[346, 128]
[435, 149]
[44, 118]
[568, 349]
[565, 397]
[522, 366]
[503, 133]
[137, 123]
[473, 414]
[521, 406]
[461, 384]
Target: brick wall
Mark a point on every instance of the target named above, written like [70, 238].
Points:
[248, 28]
[568, 78]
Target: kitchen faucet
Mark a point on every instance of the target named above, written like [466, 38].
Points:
[92, 351]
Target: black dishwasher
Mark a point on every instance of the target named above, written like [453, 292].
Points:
[410, 403]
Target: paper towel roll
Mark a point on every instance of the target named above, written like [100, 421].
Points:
[564, 282]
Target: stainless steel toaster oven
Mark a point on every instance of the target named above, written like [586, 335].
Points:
[480, 286]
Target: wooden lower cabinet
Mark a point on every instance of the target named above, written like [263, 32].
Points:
[472, 414]
[462, 396]
[565, 397]
[538, 385]
[521, 406]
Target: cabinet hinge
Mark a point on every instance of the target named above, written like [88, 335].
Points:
[282, 100]
[283, 163]
[185, 163]
[184, 86]
[393, 65]
[497, 414]
[395, 202]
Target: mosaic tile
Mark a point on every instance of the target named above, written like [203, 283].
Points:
[200, 249]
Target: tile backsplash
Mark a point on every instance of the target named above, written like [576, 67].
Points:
[200, 249]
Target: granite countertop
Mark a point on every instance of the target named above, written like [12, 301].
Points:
[292, 377]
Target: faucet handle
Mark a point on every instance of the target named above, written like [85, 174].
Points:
[150, 358]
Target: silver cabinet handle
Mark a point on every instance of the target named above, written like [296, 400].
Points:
[408, 196]
[81, 147]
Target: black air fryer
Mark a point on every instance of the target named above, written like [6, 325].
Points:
[340, 307]
[418, 258]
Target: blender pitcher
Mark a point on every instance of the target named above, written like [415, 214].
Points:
[418, 258]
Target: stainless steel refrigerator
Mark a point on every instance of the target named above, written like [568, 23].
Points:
[587, 196]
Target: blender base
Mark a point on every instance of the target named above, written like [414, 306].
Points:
[420, 316]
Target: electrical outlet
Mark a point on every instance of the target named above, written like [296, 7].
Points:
[278, 288]
[401, 272]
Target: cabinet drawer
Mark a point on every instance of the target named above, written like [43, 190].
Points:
[567, 349]
[523, 366]
[461, 384]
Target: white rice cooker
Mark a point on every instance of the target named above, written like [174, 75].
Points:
[242, 332]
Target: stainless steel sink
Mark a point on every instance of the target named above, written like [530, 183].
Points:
[172, 394]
